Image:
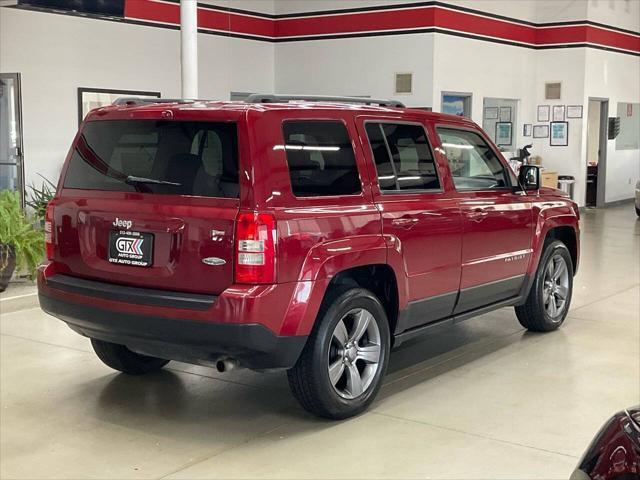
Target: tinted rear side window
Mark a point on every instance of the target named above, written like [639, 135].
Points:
[403, 157]
[200, 158]
[320, 159]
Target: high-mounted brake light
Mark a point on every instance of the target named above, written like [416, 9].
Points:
[49, 231]
[256, 240]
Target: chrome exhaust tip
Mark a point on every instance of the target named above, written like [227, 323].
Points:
[226, 365]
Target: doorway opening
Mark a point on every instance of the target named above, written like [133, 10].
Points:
[597, 117]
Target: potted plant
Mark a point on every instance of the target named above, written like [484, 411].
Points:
[40, 198]
[21, 245]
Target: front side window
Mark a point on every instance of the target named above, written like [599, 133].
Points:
[156, 156]
[320, 159]
[473, 164]
[403, 157]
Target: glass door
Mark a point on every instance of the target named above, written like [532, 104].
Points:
[11, 157]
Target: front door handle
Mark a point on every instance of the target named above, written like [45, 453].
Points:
[477, 215]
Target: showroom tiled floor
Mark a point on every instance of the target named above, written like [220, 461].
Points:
[483, 400]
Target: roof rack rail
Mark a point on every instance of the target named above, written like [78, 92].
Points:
[261, 98]
[143, 100]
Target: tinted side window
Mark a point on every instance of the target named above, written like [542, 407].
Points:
[473, 164]
[384, 167]
[320, 159]
[403, 158]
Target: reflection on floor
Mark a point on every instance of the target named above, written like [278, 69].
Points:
[484, 400]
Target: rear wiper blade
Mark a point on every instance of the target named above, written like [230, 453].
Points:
[133, 179]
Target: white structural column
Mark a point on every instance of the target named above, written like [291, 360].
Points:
[189, 47]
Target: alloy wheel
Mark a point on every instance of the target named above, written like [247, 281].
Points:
[354, 353]
[556, 287]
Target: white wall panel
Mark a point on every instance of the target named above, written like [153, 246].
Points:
[615, 77]
[56, 54]
[486, 70]
[619, 13]
[297, 6]
[262, 6]
[567, 67]
[358, 66]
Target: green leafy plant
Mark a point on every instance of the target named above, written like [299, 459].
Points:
[17, 232]
[40, 198]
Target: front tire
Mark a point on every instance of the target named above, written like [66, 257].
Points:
[341, 368]
[548, 301]
[121, 358]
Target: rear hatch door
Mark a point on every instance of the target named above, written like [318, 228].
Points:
[151, 203]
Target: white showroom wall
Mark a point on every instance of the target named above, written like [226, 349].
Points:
[524, 9]
[567, 67]
[615, 77]
[357, 66]
[619, 13]
[485, 70]
[528, 10]
[56, 54]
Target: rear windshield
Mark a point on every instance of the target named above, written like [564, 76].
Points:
[156, 156]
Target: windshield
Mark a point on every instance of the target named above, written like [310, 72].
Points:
[162, 156]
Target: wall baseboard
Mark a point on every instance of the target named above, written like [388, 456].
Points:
[619, 202]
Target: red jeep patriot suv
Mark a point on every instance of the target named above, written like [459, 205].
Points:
[305, 233]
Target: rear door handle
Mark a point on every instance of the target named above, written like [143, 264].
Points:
[404, 222]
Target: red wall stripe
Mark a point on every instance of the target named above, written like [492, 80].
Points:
[150, 10]
[355, 22]
[484, 26]
[610, 38]
[587, 33]
[412, 18]
[241, 24]
[153, 11]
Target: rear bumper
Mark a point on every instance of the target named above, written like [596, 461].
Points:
[254, 346]
[148, 329]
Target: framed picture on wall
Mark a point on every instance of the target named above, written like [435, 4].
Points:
[540, 131]
[558, 113]
[458, 104]
[491, 113]
[505, 114]
[526, 130]
[90, 98]
[543, 113]
[503, 133]
[559, 134]
[574, 111]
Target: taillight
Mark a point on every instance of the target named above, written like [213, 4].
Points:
[49, 232]
[255, 248]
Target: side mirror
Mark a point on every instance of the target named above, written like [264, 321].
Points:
[529, 177]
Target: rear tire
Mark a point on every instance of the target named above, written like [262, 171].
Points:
[342, 365]
[638, 211]
[548, 301]
[121, 358]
